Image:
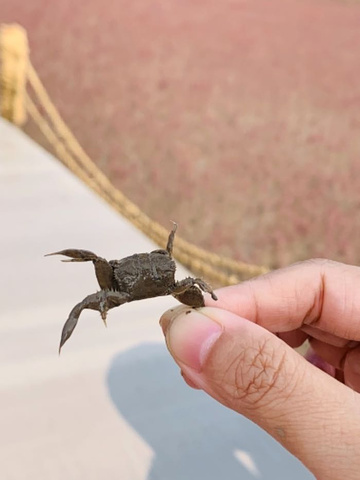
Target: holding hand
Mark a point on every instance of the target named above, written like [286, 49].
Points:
[239, 351]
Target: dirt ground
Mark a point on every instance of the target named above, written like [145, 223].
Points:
[238, 119]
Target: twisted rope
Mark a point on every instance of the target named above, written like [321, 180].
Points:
[217, 269]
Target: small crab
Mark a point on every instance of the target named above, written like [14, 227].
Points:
[142, 275]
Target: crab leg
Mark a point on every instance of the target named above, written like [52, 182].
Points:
[75, 255]
[170, 243]
[103, 270]
[188, 282]
[101, 301]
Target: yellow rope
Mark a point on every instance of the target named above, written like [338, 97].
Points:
[219, 270]
[14, 55]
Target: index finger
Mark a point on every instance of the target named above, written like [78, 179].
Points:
[320, 293]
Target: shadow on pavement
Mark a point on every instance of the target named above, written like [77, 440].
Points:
[191, 435]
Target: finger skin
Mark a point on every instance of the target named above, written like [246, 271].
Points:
[255, 373]
[336, 356]
[317, 293]
[325, 337]
[294, 338]
[252, 371]
[352, 369]
[317, 299]
[345, 359]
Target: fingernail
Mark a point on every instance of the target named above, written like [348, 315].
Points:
[190, 337]
[170, 315]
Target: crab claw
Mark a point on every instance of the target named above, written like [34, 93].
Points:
[213, 296]
[76, 255]
[103, 316]
[68, 329]
[101, 301]
[91, 302]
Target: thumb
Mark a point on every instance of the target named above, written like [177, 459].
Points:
[250, 370]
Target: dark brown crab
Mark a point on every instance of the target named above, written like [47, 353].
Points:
[142, 275]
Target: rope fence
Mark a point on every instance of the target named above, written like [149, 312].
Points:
[22, 96]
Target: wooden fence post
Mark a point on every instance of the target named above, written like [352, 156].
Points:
[14, 58]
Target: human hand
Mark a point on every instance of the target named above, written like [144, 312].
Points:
[238, 350]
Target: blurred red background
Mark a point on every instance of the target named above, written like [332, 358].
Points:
[239, 119]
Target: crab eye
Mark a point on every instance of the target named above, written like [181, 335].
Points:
[161, 251]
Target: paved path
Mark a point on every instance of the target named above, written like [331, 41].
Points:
[113, 405]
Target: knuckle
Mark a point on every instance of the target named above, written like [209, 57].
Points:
[256, 376]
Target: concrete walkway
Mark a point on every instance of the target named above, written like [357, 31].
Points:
[113, 406]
